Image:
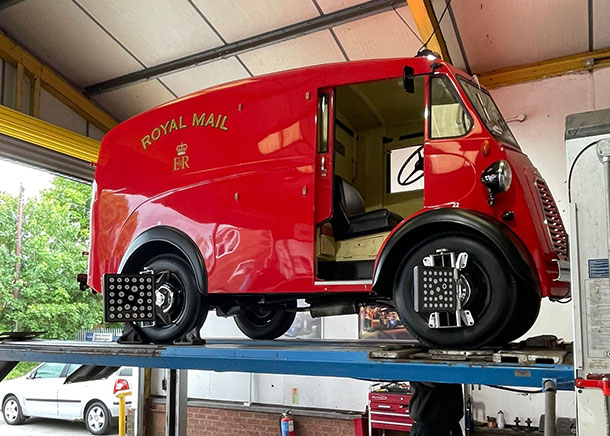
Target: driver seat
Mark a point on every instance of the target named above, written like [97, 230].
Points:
[349, 218]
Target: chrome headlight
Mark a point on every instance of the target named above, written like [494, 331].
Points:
[497, 178]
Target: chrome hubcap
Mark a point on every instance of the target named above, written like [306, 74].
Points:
[164, 298]
[96, 418]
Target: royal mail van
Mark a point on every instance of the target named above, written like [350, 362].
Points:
[393, 182]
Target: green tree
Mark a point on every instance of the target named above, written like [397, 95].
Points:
[55, 234]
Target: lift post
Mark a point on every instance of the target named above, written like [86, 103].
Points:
[588, 158]
[176, 402]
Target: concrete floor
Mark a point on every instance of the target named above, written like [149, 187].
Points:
[46, 427]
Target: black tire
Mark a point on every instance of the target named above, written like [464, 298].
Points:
[528, 303]
[188, 309]
[492, 300]
[97, 418]
[11, 411]
[265, 323]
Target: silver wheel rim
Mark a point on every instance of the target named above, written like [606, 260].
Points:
[96, 418]
[11, 410]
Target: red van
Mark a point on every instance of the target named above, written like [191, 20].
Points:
[393, 182]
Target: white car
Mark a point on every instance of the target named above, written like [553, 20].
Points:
[44, 392]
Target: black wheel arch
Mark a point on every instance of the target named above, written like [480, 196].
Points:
[165, 240]
[452, 220]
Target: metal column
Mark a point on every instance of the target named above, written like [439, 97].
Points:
[144, 380]
[176, 402]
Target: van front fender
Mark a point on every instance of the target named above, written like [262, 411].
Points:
[449, 220]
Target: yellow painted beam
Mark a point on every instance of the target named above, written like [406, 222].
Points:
[35, 98]
[29, 129]
[56, 85]
[19, 87]
[426, 22]
[539, 70]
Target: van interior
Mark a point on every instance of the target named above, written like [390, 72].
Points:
[378, 174]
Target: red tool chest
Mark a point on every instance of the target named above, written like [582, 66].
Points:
[389, 408]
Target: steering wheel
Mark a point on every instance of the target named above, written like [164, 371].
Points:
[417, 172]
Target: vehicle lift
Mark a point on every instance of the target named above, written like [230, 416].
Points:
[541, 363]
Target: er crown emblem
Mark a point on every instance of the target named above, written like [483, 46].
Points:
[181, 149]
[182, 160]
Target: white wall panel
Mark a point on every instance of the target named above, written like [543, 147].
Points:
[238, 19]
[501, 33]
[95, 133]
[55, 112]
[379, 36]
[59, 34]
[601, 88]
[205, 76]
[154, 31]
[313, 49]
[131, 100]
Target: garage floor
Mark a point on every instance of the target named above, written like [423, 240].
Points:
[44, 427]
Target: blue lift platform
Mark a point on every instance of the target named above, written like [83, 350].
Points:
[375, 361]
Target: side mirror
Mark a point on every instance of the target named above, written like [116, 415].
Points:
[408, 79]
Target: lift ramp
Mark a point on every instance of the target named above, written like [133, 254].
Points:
[364, 360]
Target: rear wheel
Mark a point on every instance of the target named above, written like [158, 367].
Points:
[491, 295]
[97, 418]
[180, 306]
[266, 323]
[11, 410]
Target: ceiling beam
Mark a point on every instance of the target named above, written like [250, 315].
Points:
[56, 85]
[5, 4]
[586, 61]
[428, 27]
[322, 22]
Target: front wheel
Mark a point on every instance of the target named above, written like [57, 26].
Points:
[11, 410]
[491, 295]
[180, 306]
[266, 323]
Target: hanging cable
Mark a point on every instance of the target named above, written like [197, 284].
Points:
[438, 25]
[407, 24]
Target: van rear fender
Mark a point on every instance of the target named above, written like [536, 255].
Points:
[165, 240]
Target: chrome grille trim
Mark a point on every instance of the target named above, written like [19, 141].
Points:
[553, 221]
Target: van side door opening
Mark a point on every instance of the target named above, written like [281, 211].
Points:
[378, 128]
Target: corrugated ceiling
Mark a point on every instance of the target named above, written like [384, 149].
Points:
[90, 41]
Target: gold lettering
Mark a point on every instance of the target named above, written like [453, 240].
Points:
[164, 127]
[182, 125]
[173, 126]
[198, 121]
[218, 120]
[222, 125]
[181, 162]
[156, 133]
[210, 121]
[146, 141]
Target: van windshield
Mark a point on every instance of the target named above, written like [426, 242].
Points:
[488, 112]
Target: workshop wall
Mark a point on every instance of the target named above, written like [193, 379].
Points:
[203, 421]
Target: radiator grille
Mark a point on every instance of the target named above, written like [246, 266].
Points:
[553, 221]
